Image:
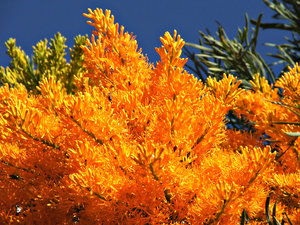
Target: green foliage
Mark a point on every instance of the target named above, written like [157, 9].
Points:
[289, 11]
[46, 61]
[274, 220]
[244, 218]
[218, 55]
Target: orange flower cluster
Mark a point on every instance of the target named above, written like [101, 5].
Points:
[145, 144]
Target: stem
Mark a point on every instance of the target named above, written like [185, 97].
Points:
[92, 135]
[17, 167]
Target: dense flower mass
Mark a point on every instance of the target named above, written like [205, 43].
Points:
[138, 143]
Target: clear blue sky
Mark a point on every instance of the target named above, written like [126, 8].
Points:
[32, 20]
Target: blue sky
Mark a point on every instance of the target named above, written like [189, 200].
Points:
[32, 20]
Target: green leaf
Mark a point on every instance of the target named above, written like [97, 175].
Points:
[275, 221]
[254, 39]
[215, 69]
[267, 209]
[246, 84]
[199, 47]
[293, 134]
[244, 217]
[284, 122]
[288, 218]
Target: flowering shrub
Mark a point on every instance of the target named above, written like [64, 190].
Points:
[139, 143]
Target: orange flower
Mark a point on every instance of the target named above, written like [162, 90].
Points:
[143, 144]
